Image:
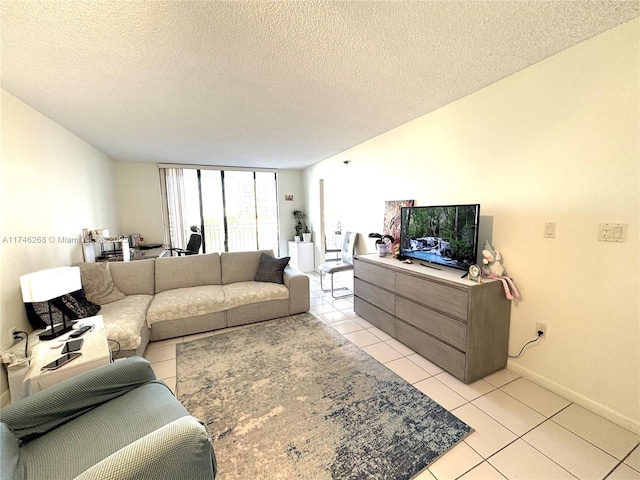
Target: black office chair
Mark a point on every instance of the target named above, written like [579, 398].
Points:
[193, 246]
[345, 264]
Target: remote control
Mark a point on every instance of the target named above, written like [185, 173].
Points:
[81, 331]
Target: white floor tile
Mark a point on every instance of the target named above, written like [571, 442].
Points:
[158, 353]
[536, 397]
[363, 338]
[347, 326]
[469, 391]
[164, 369]
[382, 352]
[362, 322]
[488, 436]
[324, 307]
[571, 452]
[399, 346]
[408, 370]
[335, 316]
[425, 364]
[484, 471]
[623, 472]
[440, 393]
[511, 413]
[501, 377]
[457, 461]
[602, 433]
[520, 460]
[380, 334]
[633, 460]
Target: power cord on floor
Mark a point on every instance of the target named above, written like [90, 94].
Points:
[18, 335]
[540, 333]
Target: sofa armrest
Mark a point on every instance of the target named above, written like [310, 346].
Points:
[47, 409]
[180, 449]
[298, 285]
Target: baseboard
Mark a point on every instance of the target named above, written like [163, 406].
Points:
[595, 407]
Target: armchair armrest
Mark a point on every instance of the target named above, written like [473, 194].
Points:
[180, 449]
[45, 410]
[298, 285]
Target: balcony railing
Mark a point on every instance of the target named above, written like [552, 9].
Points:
[242, 237]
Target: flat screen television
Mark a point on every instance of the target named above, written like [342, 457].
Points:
[444, 234]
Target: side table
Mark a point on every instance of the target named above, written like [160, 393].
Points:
[95, 352]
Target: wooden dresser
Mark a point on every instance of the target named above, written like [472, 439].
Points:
[460, 325]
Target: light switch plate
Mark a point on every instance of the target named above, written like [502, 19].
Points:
[549, 230]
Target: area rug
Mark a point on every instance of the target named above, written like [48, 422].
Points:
[293, 399]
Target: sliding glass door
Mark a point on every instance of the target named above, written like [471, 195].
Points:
[236, 209]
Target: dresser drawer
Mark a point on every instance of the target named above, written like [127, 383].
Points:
[445, 328]
[446, 357]
[375, 296]
[375, 316]
[432, 294]
[380, 276]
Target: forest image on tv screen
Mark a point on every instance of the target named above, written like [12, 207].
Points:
[445, 235]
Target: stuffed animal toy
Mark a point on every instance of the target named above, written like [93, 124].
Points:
[492, 268]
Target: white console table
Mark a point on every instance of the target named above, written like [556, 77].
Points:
[95, 352]
[301, 254]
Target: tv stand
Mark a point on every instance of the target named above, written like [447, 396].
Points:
[460, 325]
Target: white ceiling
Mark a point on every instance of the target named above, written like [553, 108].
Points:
[280, 84]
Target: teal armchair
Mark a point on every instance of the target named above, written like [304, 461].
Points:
[117, 422]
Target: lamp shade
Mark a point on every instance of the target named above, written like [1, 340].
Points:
[48, 284]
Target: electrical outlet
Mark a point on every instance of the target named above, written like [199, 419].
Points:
[541, 327]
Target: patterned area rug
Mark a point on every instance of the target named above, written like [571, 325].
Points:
[292, 398]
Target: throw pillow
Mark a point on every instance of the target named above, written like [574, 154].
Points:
[271, 269]
[98, 284]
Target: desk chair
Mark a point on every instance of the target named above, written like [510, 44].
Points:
[344, 264]
[193, 246]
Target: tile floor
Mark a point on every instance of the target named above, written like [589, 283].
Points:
[522, 431]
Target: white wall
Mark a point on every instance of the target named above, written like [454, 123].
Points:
[557, 142]
[139, 200]
[53, 186]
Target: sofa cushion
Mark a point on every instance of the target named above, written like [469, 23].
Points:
[240, 266]
[187, 271]
[134, 278]
[98, 284]
[185, 302]
[246, 293]
[124, 319]
[10, 465]
[271, 269]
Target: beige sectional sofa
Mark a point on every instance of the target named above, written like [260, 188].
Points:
[162, 298]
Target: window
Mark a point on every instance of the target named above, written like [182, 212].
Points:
[236, 210]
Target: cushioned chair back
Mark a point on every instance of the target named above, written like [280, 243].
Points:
[348, 247]
[195, 240]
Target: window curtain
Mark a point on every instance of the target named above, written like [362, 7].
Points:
[174, 206]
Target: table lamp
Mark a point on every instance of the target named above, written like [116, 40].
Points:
[47, 285]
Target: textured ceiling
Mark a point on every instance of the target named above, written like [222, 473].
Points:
[270, 84]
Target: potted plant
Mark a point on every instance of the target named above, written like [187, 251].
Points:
[306, 234]
[299, 216]
[382, 242]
